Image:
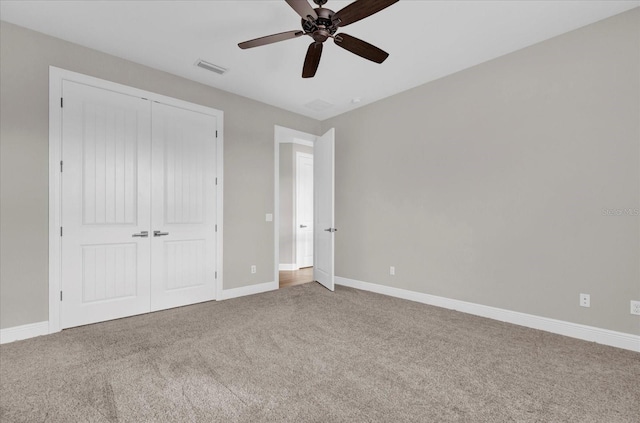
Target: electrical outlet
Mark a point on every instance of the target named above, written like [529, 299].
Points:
[392, 270]
[585, 300]
[635, 307]
[253, 268]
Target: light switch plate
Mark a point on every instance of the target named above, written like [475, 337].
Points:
[269, 217]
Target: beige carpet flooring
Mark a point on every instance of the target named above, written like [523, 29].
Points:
[303, 354]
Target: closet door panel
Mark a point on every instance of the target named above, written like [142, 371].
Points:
[106, 152]
[183, 207]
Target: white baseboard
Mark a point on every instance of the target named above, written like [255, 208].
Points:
[287, 266]
[573, 330]
[588, 333]
[42, 328]
[17, 333]
[249, 290]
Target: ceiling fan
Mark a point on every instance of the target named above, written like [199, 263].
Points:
[321, 23]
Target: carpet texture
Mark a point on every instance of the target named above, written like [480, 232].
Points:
[304, 354]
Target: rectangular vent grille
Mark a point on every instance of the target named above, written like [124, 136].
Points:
[211, 67]
[319, 105]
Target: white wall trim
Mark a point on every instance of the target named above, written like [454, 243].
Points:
[219, 207]
[55, 145]
[299, 142]
[574, 330]
[56, 78]
[277, 136]
[288, 266]
[288, 135]
[248, 290]
[18, 333]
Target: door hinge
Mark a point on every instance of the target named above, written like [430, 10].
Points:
[61, 102]
[216, 133]
[216, 275]
[216, 181]
[216, 228]
[61, 162]
[60, 295]
[60, 230]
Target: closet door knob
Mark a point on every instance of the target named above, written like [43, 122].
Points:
[159, 233]
[142, 234]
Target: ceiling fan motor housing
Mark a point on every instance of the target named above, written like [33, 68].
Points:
[323, 27]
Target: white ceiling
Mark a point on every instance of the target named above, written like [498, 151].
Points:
[426, 40]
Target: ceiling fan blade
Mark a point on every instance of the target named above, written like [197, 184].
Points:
[303, 8]
[312, 60]
[361, 48]
[270, 39]
[360, 9]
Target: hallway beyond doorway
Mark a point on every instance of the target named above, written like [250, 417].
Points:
[296, 277]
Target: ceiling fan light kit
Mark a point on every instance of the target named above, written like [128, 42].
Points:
[321, 24]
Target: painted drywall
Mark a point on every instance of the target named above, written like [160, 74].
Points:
[288, 199]
[513, 184]
[25, 57]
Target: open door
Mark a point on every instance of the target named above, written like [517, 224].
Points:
[323, 198]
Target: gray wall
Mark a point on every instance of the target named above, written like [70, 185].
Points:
[24, 80]
[489, 185]
[288, 199]
[486, 186]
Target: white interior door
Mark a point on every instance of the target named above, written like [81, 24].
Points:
[183, 233]
[324, 188]
[138, 205]
[304, 209]
[105, 204]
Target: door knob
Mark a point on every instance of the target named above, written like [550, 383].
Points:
[142, 234]
[331, 230]
[160, 233]
[303, 226]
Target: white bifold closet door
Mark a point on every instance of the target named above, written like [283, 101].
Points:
[138, 206]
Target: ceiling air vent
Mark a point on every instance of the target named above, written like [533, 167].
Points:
[318, 105]
[211, 67]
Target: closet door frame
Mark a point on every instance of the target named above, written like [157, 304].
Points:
[56, 77]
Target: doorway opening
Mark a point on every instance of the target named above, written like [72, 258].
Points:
[295, 188]
[322, 246]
